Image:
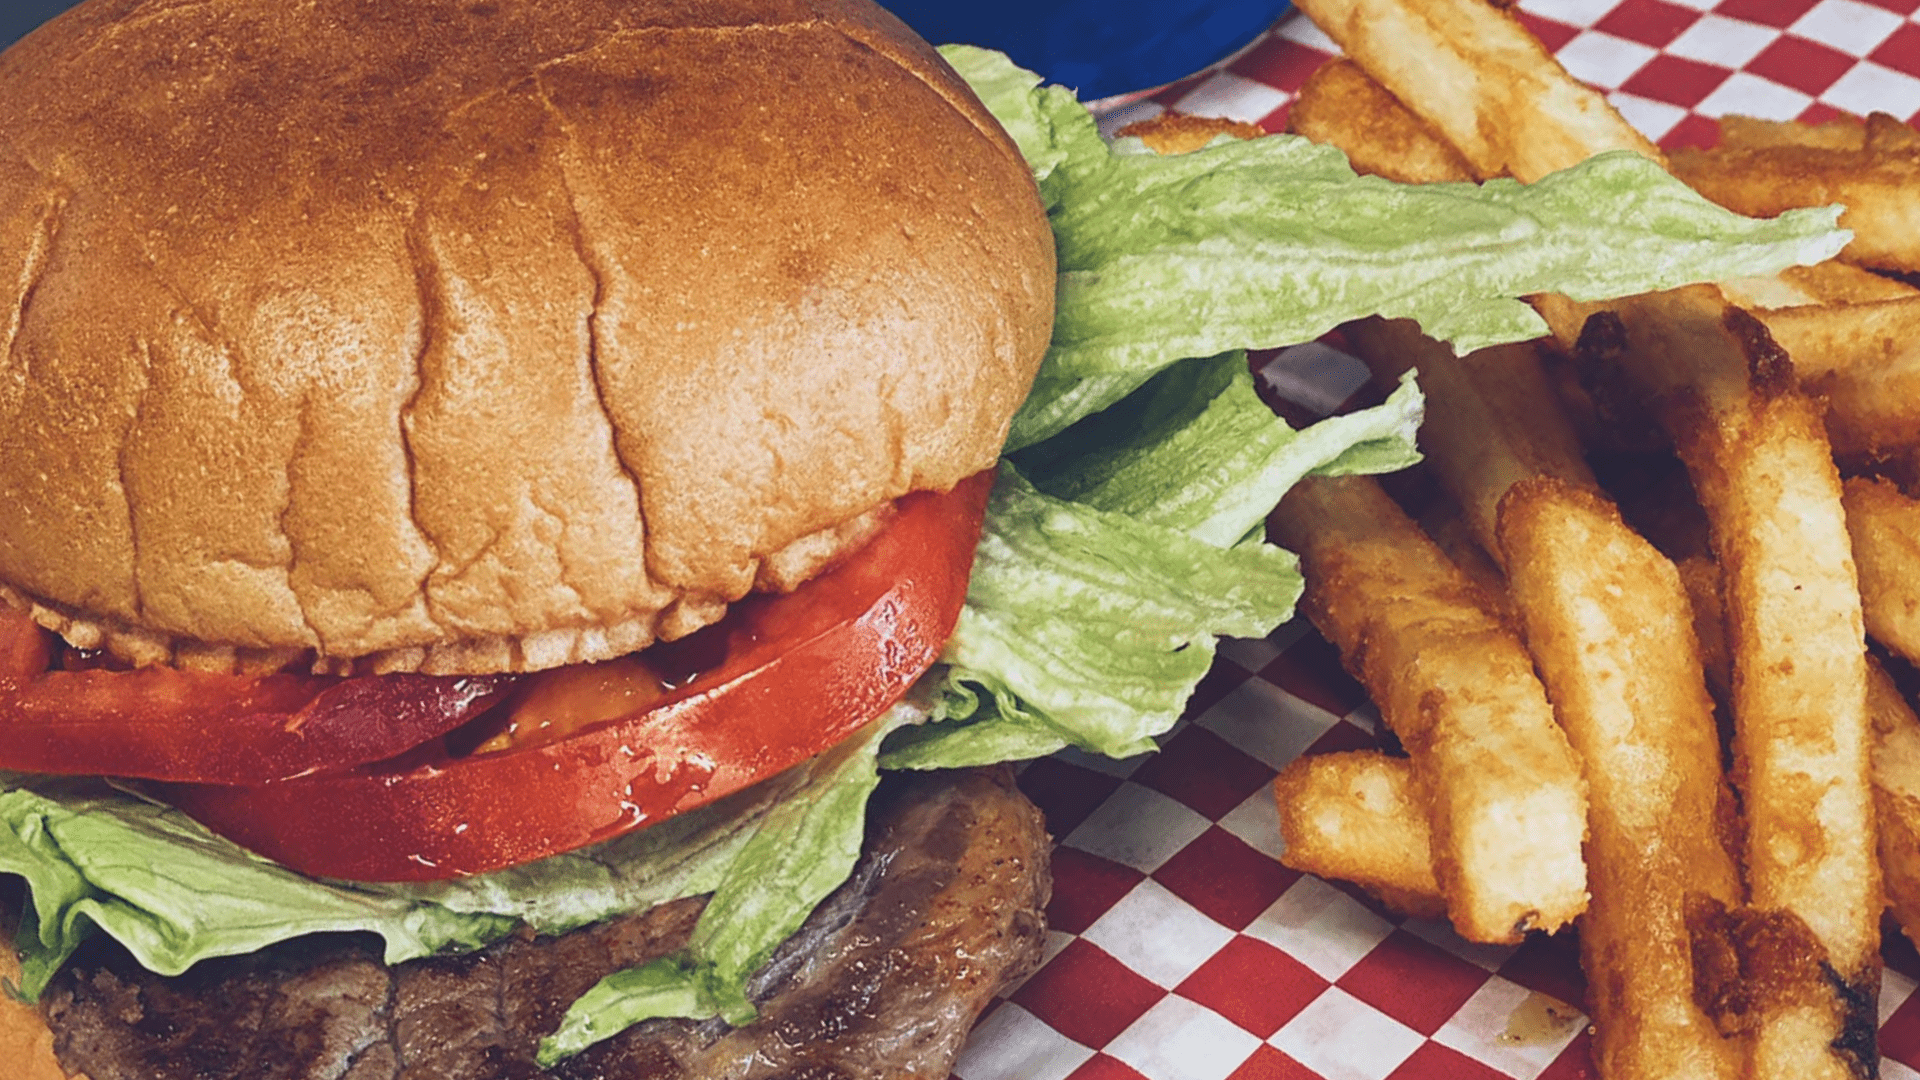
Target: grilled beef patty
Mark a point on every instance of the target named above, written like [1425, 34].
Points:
[884, 981]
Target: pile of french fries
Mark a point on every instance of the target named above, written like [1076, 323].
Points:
[1673, 731]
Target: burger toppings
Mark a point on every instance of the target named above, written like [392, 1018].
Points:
[881, 982]
[802, 672]
[163, 724]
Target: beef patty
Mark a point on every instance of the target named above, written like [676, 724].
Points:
[885, 979]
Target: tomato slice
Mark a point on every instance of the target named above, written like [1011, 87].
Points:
[801, 672]
[161, 724]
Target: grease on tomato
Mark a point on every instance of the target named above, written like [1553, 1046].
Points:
[555, 704]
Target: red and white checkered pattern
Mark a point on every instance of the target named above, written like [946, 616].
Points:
[1180, 949]
[1670, 66]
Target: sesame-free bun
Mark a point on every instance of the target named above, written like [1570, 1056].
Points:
[484, 334]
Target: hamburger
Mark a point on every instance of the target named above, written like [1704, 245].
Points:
[431, 353]
[490, 485]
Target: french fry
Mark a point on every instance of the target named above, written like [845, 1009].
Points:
[1855, 336]
[1885, 526]
[1506, 801]
[1611, 629]
[1183, 133]
[1864, 359]
[1829, 282]
[1358, 816]
[1700, 576]
[1759, 458]
[1341, 105]
[1896, 792]
[1484, 83]
[1446, 524]
[1762, 469]
[1491, 422]
[1763, 167]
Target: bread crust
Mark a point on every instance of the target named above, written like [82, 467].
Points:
[395, 330]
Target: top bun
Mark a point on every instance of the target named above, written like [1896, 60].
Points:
[466, 335]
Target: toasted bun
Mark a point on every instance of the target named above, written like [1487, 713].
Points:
[484, 334]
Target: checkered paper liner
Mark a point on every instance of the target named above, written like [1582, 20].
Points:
[1180, 949]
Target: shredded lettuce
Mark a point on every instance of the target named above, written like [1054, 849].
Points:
[1122, 539]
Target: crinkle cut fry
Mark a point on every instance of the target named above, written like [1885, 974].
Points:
[1762, 468]
[1505, 796]
[1358, 816]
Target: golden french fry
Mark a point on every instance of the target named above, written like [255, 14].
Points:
[1822, 283]
[1864, 359]
[1482, 80]
[1758, 455]
[1506, 799]
[1183, 133]
[1896, 791]
[1610, 627]
[1763, 471]
[1341, 105]
[1763, 167]
[1492, 420]
[1446, 524]
[1358, 816]
[1754, 133]
[1700, 576]
[1885, 526]
[1611, 632]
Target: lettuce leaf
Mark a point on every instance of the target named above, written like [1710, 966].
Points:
[799, 851]
[175, 894]
[1253, 244]
[1096, 603]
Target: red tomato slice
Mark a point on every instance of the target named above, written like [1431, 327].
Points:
[25, 649]
[161, 724]
[802, 672]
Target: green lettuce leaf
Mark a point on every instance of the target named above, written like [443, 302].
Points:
[175, 894]
[799, 851]
[99, 861]
[1267, 242]
[1096, 603]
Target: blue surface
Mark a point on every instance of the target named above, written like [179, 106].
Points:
[19, 16]
[1099, 47]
